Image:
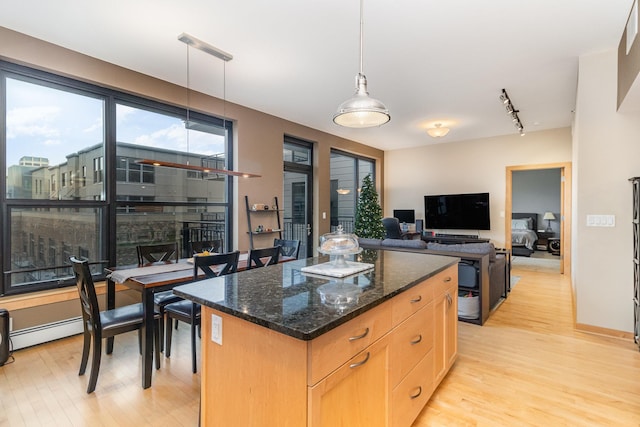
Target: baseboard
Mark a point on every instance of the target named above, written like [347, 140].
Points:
[48, 332]
[604, 331]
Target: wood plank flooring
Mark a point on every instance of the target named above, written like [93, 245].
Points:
[526, 366]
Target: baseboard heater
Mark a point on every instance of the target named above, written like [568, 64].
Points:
[44, 333]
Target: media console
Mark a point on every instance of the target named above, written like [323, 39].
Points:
[453, 239]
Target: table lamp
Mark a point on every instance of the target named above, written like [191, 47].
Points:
[548, 216]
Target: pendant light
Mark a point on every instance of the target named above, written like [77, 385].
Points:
[191, 41]
[361, 111]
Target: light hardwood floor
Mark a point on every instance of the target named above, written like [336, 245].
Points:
[525, 367]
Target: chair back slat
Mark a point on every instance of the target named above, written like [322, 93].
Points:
[288, 248]
[229, 261]
[148, 254]
[256, 256]
[87, 293]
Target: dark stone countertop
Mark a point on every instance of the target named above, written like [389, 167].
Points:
[282, 298]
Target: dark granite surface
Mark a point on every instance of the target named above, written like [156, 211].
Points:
[282, 298]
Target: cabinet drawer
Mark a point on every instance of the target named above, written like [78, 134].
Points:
[412, 300]
[410, 396]
[411, 341]
[329, 351]
[445, 279]
[356, 394]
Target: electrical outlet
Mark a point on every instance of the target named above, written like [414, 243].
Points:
[216, 329]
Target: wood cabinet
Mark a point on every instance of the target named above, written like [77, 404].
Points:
[377, 369]
[445, 327]
[356, 393]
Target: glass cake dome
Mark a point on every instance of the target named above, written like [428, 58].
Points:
[339, 243]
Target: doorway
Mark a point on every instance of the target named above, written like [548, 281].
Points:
[298, 194]
[561, 243]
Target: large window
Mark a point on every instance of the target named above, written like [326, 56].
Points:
[49, 132]
[347, 172]
[74, 186]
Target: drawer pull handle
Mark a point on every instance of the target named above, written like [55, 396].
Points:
[415, 396]
[417, 340]
[358, 337]
[447, 279]
[366, 359]
[418, 299]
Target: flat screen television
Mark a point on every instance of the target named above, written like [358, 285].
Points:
[405, 215]
[457, 211]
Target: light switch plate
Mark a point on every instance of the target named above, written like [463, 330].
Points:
[601, 220]
[216, 329]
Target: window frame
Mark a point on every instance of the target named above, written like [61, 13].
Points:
[356, 158]
[106, 203]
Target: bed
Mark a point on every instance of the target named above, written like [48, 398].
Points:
[523, 233]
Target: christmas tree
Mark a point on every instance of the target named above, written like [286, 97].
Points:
[369, 212]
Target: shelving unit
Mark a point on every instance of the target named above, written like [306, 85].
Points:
[264, 214]
[636, 259]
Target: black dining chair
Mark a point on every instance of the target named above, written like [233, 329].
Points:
[288, 248]
[256, 257]
[207, 245]
[104, 324]
[189, 312]
[163, 252]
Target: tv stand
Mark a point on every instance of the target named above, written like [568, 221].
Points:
[453, 239]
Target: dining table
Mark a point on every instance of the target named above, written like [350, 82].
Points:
[149, 279]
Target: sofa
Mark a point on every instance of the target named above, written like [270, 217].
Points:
[481, 268]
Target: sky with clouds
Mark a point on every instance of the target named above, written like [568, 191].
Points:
[52, 123]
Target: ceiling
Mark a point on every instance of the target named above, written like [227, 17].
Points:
[429, 61]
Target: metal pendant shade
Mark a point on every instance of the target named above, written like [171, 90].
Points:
[361, 111]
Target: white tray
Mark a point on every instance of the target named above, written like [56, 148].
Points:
[329, 269]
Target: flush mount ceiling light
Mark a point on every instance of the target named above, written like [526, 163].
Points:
[361, 111]
[437, 131]
[191, 41]
[511, 111]
[343, 191]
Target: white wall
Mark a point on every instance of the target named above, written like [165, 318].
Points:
[606, 151]
[604, 148]
[473, 166]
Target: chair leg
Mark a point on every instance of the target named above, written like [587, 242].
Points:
[95, 362]
[162, 316]
[140, 341]
[167, 347]
[158, 341]
[85, 352]
[194, 363]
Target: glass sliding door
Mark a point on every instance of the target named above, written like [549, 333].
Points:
[346, 173]
[297, 191]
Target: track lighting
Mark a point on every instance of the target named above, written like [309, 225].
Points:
[512, 112]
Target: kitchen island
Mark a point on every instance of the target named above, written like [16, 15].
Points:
[273, 354]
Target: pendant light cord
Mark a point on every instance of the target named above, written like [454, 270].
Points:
[188, 101]
[361, 36]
